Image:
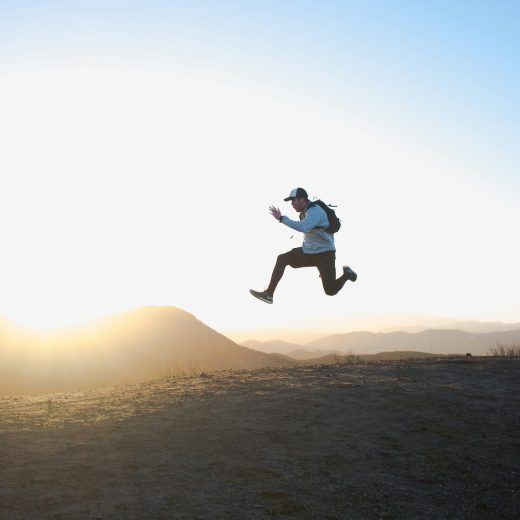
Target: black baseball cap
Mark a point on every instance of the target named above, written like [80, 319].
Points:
[296, 194]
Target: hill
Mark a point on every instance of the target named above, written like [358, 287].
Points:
[137, 345]
[358, 358]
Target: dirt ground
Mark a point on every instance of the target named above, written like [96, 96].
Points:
[417, 439]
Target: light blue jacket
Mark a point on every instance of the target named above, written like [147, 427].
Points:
[315, 238]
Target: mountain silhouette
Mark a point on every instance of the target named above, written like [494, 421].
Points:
[133, 346]
[279, 346]
[292, 350]
[433, 341]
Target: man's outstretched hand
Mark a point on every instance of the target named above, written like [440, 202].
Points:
[275, 212]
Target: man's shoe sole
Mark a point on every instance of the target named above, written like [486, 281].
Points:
[260, 297]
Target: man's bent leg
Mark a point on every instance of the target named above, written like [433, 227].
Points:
[294, 258]
[327, 268]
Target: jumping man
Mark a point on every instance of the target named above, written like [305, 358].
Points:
[318, 248]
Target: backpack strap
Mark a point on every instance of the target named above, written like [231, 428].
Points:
[310, 204]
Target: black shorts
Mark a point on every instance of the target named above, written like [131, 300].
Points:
[297, 258]
[325, 262]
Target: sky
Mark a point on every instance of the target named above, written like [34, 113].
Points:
[141, 144]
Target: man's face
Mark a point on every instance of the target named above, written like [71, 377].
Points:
[298, 204]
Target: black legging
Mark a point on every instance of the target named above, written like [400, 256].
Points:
[325, 262]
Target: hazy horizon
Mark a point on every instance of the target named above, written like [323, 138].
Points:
[385, 324]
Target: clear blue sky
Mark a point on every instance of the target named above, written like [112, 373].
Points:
[440, 78]
[447, 72]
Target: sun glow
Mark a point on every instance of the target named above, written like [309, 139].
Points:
[54, 318]
[96, 161]
[125, 187]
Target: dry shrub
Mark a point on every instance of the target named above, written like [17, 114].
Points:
[510, 351]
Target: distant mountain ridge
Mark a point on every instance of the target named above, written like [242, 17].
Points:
[480, 327]
[433, 341]
[474, 326]
[293, 350]
[279, 346]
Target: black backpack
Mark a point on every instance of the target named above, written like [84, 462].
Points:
[334, 221]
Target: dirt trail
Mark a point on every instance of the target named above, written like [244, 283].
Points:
[436, 438]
